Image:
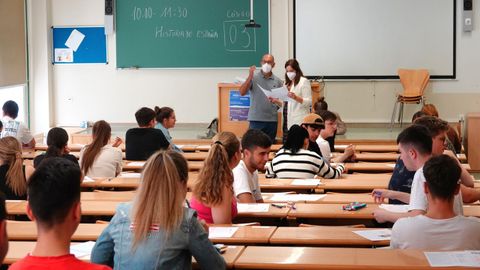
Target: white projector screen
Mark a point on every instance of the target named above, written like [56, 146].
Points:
[372, 39]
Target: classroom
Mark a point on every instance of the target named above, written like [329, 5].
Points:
[68, 64]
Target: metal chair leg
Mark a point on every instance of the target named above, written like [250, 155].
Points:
[392, 119]
[400, 117]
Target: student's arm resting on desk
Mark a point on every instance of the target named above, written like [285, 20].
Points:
[379, 195]
[247, 198]
[382, 215]
[248, 82]
[201, 247]
[222, 212]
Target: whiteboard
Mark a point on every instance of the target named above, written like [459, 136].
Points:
[372, 39]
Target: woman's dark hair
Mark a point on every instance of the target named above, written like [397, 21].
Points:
[57, 139]
[296, 66]
[295, 138]
[101, 132]
[162, 113]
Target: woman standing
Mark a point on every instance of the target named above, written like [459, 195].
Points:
[100, 159]
[300, 94]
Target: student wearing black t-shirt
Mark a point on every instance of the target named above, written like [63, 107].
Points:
[57, 141]
[313, 123]
[142, 142]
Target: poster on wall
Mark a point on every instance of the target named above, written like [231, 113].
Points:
[239, 106]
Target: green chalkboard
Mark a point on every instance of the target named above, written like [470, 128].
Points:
[190, 33]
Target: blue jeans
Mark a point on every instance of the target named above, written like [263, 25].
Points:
[269, 128]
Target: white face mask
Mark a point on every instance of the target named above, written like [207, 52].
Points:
[291, 75]
[266, 68]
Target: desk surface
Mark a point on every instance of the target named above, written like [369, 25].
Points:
[329, 198]
[322, 236]
[27, 230]
[369, 147]
[256, 257]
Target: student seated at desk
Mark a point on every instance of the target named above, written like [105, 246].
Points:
[15, 128]
[295, 161]
[256, 148]
[101, 159]
[313, 123]
[54, 205]
[13, 174]
[470, 195]
[322, 105]
[142, 142]
[330, 127]
[156, 231]
[440, 228]
[213, 196]
[57, 141]
[3, 229]
[165, 118]
[453, 139]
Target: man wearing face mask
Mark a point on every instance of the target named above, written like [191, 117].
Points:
[263, 111]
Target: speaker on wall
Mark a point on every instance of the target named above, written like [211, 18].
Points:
[467, 15]
[109, 23]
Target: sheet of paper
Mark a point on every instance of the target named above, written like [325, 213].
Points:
[305, 182]
[87, 179]
[130, 175]
[221, 232]
[296, 197]
[82, 249]
[375, 235]
[396, 208]
[74, 40]
[468, 258]
[280, 93]
[136, 163]
[253, 207]
[390, 165]
[63, 55]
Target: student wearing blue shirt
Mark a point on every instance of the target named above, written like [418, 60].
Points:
[165, 118]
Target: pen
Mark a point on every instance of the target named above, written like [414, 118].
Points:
[278, 205]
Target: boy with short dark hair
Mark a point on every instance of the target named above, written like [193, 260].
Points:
[142, 142]
[54, 205]
[256, 149]
[15, 128]
[330, 126]
[440, 228]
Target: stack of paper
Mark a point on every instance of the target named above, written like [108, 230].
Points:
[129, 175]
[467, 258]
[305, 182]
[281, 197]
[83, 249]
[396, 208]
[136, 163]
[252, 207]
[375, 235]
[87, 179]
[221, 232]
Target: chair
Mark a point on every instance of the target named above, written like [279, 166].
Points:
[414, 82]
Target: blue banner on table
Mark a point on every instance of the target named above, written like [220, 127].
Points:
[79, 45]
[239, 106]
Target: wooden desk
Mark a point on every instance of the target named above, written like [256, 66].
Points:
[247, 235]
[129, 165]
[386, 157]
[369, 167]
[256, 257]
[281, 184]
[120, 196]
[19, 249]
[322, 236]
[89, 208]
[369, 147]
[27, 230]
[330, 198]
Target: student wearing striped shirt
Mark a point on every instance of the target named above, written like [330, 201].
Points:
[295, 161]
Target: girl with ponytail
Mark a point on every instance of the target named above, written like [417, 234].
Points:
[213, 196]
[57, 142]
[13, 173]
[156, 231]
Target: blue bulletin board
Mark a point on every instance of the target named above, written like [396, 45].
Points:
[79, 45]
[239, 106]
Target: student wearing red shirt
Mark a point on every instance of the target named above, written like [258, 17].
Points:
[54, 205]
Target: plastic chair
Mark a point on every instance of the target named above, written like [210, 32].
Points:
[414, 82]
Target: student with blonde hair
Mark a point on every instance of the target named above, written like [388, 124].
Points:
[213, 196]
[13, 173]
[100, 159]
[156, 231]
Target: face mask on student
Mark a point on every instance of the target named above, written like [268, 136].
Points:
[266, 68]
[291, 75]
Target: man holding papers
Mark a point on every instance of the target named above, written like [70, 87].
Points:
[255, 148]
[440, 228]
[263, 110]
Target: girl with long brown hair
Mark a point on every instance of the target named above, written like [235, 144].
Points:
[156, 231]
[100, 159]
[57, 141]
[13, 173]
[213, 196]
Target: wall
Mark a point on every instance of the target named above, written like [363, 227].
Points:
[91, 92]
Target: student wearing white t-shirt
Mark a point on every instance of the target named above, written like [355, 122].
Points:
[440, 228]
[14, 128]
[417, 144]
[255, 148]
[329, 129]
